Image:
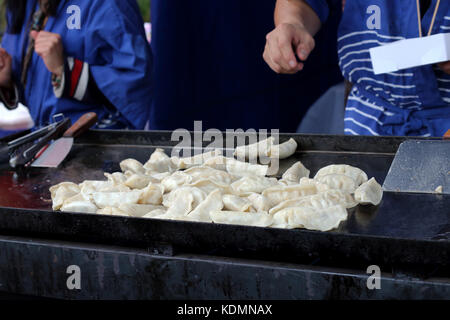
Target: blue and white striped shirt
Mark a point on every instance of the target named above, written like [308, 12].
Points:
[415, 101]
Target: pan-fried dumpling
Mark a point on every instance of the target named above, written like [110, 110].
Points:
[253, 184]
[155, 213]
[355, 173]
[197, 160]
[318, 201]
[132, 165]
[369, 193]
[242, 169]
[213, 202]
[110, 211]
[88, 188]
[159, 162]
[80, 207]
[283, 182]
[309, 218]
[278, 194]
[204, 173]
[284, 150]
[117, 178]
[198, 194]
[152, 194]
[176, 180]
[218, 163]
[158, 176]
[259, 202]
[339, 182]
[62, 192]
[235, 203]
[208, 186]
[181, 206]
[253, 151]
[296, 172]
[115, 199]
[139, 210]
[255, 219]
[139, 181]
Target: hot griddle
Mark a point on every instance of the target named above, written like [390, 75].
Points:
[407, 233]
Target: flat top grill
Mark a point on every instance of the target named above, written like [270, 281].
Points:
[405, 230]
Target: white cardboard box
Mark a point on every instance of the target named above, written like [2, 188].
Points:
[411, 53]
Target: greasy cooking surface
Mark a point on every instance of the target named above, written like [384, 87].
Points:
[367, 235]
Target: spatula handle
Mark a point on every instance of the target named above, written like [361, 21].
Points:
[83, 124]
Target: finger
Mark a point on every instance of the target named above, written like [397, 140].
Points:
[34, 34]
[304, 45]
[289, 61]
[277, 57]
[275, 67]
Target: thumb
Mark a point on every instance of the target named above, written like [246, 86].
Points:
[305, 44]
[34, 34]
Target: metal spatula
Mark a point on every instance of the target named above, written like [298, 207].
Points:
[58, 151]
[420, 166]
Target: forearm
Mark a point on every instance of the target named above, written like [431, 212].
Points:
[297, 12]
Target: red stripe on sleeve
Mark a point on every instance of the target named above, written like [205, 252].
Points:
[75, 78]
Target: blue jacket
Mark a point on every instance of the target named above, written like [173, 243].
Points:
[111, 40]
[413, 102]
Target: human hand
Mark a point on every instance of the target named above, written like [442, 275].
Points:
[50, 48]
[282, 46]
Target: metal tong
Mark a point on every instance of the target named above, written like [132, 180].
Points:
[23, 150]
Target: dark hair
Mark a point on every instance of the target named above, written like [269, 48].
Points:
[16, 10]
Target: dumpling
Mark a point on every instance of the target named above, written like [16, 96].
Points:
[198, 194]
[117, 178]
[139, 181]
[355, 173]
[253, 151]
[181, 206]
[253, 184]
[235, 203]
[110, 211]
[115, 199]
[278, 194]
[213, 202]
[259, 202]
[62, 192]
[79, 204]
[242, 169]
[152, 194]
[218, 163]
[321, 200]
[296, 172]
[205, 172]
[155, 213]
[176, 180]
[284, 150]
[309, 218]
[139, 210]
[88, 188]
[159, 162]
[197, 160]
[255, 219]
[208, 186]
[132, 165]
[339, 182]
[370, 192]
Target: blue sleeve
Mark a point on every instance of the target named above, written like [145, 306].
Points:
[321, 8]
[120, 58]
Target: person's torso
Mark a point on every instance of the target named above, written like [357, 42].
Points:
[370, 23]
